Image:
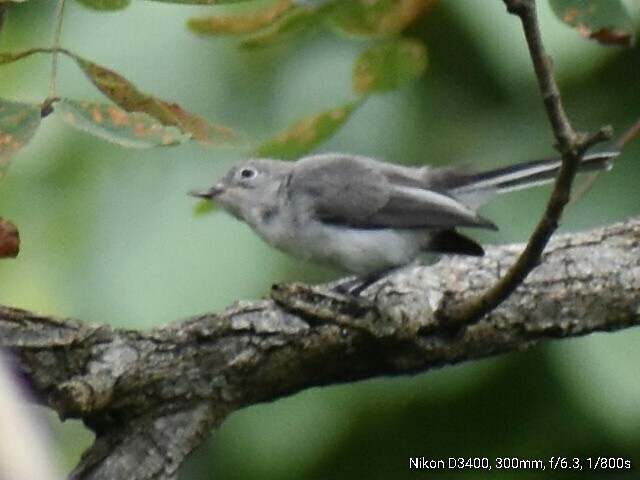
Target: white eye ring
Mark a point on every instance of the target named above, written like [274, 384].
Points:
[248, 173]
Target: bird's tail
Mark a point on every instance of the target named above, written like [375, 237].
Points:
[482, 186]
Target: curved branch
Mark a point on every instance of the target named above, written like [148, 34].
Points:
[151, 397]
[571, 145]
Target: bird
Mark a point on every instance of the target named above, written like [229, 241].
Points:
[365, 216]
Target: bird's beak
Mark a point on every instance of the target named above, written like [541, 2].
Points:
[209, 193]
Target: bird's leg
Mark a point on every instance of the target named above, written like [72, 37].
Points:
[354, 286]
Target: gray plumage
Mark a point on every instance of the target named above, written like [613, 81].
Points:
[366, 216]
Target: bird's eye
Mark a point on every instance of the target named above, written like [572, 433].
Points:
[248, 173]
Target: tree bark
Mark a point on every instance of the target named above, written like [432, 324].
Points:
[151, 397]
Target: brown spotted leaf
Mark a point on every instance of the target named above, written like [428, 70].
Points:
[130, 98]
[111, 123]
[608, 36]
[18, 124]
[203, 131]
[9, 239]
[606, 21]
[304, 135]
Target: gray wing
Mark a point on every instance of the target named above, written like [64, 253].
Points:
[349, 190]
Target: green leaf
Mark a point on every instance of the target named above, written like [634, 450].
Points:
[234, 24]
[606, 21]
[307, 133]
[374, 18]
[295, 20]
[204, 207]
[128, 129]
[387, 65]
[129, 97]
[105, 5]
[18, 124]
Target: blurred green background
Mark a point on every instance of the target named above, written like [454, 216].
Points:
[109, 235]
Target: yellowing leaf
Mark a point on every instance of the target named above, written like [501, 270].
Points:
[128, 129]
[389, 64]
[307, 133]
[373, 18]
[18, 124]
[247, 23]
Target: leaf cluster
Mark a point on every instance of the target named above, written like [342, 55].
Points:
[389, 59]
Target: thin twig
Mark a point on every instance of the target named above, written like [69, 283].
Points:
[582, 190]
[627, 136]
[571, 145]
[619, 144]
[56, 46]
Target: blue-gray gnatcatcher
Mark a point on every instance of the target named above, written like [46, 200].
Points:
[366, 216]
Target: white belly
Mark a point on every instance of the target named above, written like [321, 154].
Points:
[359, 251]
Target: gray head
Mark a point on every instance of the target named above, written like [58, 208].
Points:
[248, 187]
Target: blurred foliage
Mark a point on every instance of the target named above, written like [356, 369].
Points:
[105, 4]
[607, 22]
[107, 233]
[386, 66]
[18, 123]
[145, 121]
[307, 133]
[113, 124]
[9, 239]
[247, 23]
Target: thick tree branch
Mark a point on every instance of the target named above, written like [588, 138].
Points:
[151, 397]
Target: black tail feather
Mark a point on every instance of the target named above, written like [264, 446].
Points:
[450, 241]
[527, 174]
